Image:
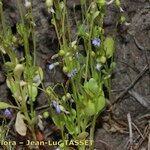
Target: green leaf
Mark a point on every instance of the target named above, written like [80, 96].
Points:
[11, 84]
[82, 136]
[96, 14]
[101, 3]
[18, 70]
[82, 31]
[58, 120]
[9, 66]
[90, 108]
[32, 91]
[112, 66]
[83, 2]
[2, 50]
[37, 79]
[20, 126]
[109, 47]
[69, 123]
[22, 29]
[100, 103]
[4, 105]
[91, 87]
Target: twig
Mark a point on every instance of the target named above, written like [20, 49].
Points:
[149, 135]
[147, 60]
[121, 95]
[146, 131]
[144, 102]
[42, 107]
[11, 122]
[140, 47]
[147, 7]
[128, 65]
[130, 130]
[138, 44]
[110, 2]
[103, 142]
[135, 126]
[146, 116]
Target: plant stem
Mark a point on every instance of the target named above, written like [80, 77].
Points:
[25, 36]
[92, 129]
[33, 36]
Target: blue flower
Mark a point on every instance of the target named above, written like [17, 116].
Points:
[96, 42]
[7, 113]
[72, 73]
[56, 106]
[52, 66]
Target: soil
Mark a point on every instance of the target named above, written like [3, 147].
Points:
[130, 94]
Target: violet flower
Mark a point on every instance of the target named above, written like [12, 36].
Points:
[96, 42]
[53, 65]
[7, 113]
[56, 106]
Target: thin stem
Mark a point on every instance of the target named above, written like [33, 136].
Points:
[63, 27]
[68, 24]
[33, 37]
[56, 29]
[63, 138]
[88, 60]
[25, 36]
[92, 130]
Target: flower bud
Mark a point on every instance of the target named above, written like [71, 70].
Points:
[61, 53]
[14, 39]
[64, 98]
[46, 114]
[65, 69]
[102, 59]
[68, 95]
[122, 19]
[101, 2]
[118, 3]
[49, 3]
[93, 54]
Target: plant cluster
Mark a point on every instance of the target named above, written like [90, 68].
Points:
[86, 59]
[88, 70]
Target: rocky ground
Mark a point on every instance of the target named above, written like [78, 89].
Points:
[130, 98]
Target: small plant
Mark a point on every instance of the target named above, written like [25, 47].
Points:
[22, 75]
[86, 59]
[87, 70]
